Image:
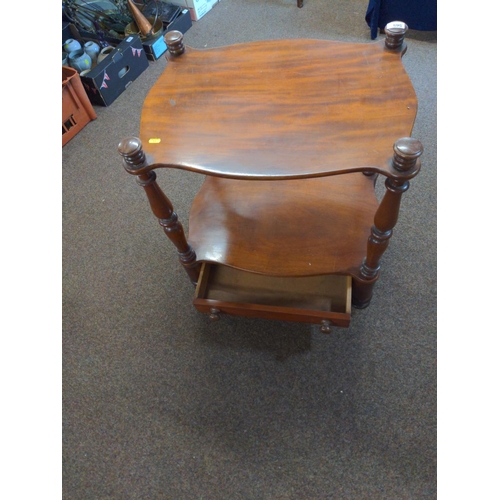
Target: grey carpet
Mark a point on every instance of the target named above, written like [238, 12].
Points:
[159, 403]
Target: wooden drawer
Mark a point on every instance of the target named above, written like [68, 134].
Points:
[313, 299]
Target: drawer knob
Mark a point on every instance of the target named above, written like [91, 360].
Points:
[214, 314]
[326, 326]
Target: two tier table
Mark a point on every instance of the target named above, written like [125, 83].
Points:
[291, 136]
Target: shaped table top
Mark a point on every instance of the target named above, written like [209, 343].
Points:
[279, 109]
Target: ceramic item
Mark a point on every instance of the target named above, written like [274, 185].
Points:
[92, 49]
[70, 45]
[104, 53]
[79, 60]
[85, 72]
[64, 58]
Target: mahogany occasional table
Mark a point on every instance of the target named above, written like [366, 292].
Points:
[291, 136]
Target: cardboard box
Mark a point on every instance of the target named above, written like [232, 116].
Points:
[154, 48]
[197, 8]
[157, 47]
[108, 79]
[167, 11]
[68, 31]
[181, 23]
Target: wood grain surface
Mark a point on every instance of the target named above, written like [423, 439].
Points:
[300, 227]
[282, 108]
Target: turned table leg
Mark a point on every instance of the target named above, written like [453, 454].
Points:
[406, 153]
[134, 160]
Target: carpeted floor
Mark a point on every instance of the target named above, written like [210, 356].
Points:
[159, 403]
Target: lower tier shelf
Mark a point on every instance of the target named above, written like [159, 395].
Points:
[301, 227]
[324, 299]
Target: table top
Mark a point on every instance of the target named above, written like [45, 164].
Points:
[279, 109]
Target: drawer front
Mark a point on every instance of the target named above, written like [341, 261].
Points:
[315, 299]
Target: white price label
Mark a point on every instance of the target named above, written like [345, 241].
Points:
[396, 25]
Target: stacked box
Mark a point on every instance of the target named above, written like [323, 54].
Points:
[154, 48]
[108, 79]
[197, 8]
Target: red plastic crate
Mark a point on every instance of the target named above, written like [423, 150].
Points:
[77, 110]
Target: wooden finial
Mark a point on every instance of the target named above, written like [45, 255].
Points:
[406, 152]
[394, 34]
[131, 151]
[175, 42]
